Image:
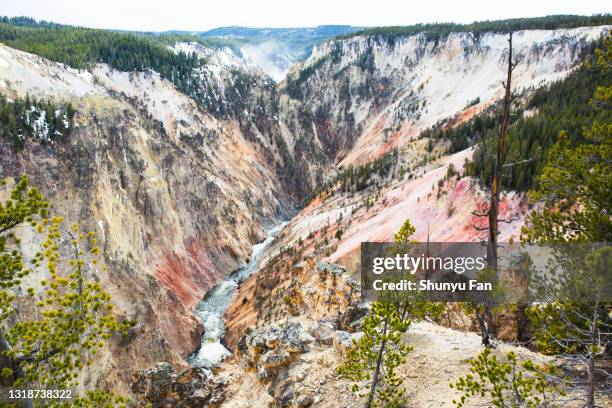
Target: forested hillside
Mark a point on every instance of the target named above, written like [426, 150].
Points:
[43, 120]
[538, 117]
[81, 47]
[439, 30]
[536, 122]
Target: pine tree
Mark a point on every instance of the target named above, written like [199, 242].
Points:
[73, 316]
[402, 236]
[372, 361]
[575, 189]
[12, 128]
[507, 384]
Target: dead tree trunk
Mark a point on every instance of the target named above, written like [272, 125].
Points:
[483, 311]
[483, 326]
[497, 169]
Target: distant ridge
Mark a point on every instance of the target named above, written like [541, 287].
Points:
[317, 31]
[552, 22]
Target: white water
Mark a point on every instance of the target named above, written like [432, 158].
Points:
[211, 309]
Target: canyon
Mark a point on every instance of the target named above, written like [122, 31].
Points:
[178, 193]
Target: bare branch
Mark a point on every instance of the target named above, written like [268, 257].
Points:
[10, 226]
[510, 220]
[482, 214]
[508, 165]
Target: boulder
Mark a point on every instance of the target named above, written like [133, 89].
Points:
[291, 338]
[303, 401]
[271, 349]
[295, 339]
[286, 397]
[274, 359]
[343, 341]
[323, 332]
[160, 386]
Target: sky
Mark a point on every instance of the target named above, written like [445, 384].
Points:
[201, 15]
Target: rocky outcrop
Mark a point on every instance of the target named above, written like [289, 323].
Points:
[296, 318]
[280, 356]
[292, 360]
[270, 348]
[281, 289]
[161, 386]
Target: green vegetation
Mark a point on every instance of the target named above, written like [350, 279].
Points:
[28, 118]
[563, 105]
[372, 361]
[338, 234]
[473, 102]
[69, 319]
[402, 236]
[81, 47]
[22, 21]
[507, 384]
[575, 188]
[438, 31]
[575, 183]
[166, 38]
[358, 178]
[466, 134]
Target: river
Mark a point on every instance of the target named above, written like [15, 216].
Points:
[211, 309]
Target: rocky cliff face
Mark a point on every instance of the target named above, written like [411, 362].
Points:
[305, 318]
[289, 337]
[281, 289]
[176, 195]
[365, 95]
[178, 190]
